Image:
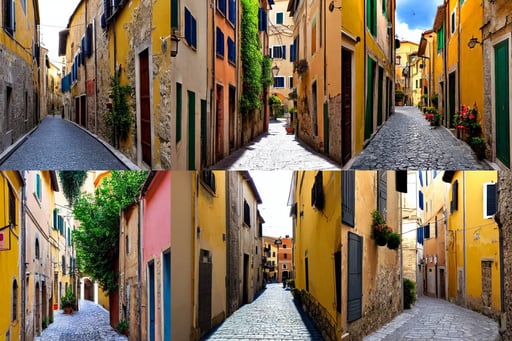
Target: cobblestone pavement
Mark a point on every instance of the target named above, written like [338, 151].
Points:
[407, 141]
[272, 316]
[59, 144]
[89, 323]
[436, 319]
[275, 151]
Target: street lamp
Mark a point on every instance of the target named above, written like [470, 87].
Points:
[473, 41]
[275, 71]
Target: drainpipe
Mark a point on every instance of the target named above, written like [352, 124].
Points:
[95, 78]
[458, 55]
[400, 219]
[464, 236]
[23, 257]
[213, 91]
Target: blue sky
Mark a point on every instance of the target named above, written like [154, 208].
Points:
[414, 17]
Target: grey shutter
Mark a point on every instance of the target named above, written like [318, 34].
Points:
[383, 192]
[348, 200]
[355, 277]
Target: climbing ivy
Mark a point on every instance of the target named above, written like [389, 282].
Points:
[252, 58]
[119, 117]
[266, 72]
[71, 182]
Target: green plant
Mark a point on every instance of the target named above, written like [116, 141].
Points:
[478, 145]
[380, 231]
[434, 99]
[432, 115]
[293, 95]
[300, 66]
[291, 283]
[71, 182]
[119, 117]
[44, 322]
[394, 241]
[409, 293]
[50, 320]
[252, 59]
[399, 96]
[122, 327]
[68, 300]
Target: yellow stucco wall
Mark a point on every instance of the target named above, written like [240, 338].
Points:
[9, 259]
[212, 225]
[317, 236]
[482, 238]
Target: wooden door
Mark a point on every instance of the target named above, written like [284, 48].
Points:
[501, 98]
[145, 107]
[191, 130]
[451, 99]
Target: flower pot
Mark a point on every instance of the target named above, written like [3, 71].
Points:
[55, 306]
[289, 130]
[381, 240]
[68, 310]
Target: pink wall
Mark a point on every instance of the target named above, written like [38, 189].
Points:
[156, 221]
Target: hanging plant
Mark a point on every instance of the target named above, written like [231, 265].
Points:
[300, 66]
[380, 231]
[119, 117]
[394, 241]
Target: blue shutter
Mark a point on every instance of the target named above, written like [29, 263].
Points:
[420, 200]
[187, 27]
[355, 277]
[231, 50]
[421, 178]
[419, 235]
[220, 43]
[55, 218]
[491, 205]
[194, 31]
[292, 53]
[284, 51]
[261, 19]
[232, 11]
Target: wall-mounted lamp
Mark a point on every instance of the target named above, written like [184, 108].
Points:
[473, 41]
[275, 71]
[175, 39]
[332, 7]
[492, 1]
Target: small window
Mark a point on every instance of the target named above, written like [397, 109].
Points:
[284, 246]
[37, 189]
[317, 192]
[453, 23]
[10, 16]
[285, 256]
[278, 52]
[284, 266]
[14, 314]
[12, 207]
[279, 82]
[231, 50]
[290, 82]
[127, 244]
[232, 12]
[63, 265]
[273, 254]
[490, 200]
[279, 18]
[221, 6]
[37, 248]
[454, 204]
[398, 60]
[247, 214]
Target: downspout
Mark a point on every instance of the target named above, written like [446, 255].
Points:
[401, 252]
[139, 272]
[95, 79]
[213, 92]
[458, 55]
[23, 257]
[445, 55]
[464, 236]
[85, 68]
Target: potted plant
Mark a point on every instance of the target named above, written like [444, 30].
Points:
[399, 97]
[300, 66]
[432, 115]
[478, 145]
[67, 302]
[394, 241]
[122, 327]
[380, 231]
[434, 99]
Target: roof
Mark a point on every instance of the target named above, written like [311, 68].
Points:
[423, 46]
[439, 18]
[252, 185]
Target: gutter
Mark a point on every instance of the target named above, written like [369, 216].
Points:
[23, 258]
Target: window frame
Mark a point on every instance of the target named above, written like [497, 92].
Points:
[277, 79]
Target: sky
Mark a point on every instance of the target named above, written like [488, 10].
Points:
[54, 15]
[274, 188]
[414, 17]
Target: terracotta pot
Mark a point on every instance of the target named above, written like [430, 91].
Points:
[68, 310]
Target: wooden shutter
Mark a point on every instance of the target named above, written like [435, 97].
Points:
[382, 192]
[355, 277]
[454, 204]
[348, 200]
[490, 200]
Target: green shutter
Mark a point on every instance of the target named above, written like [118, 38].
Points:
[370, 80]
[204, 129]
[440, 39]
[371, 16]
[191, 130]
[178, 111]
[175, 14]
[501, 97]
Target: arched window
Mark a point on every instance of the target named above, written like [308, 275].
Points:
[37, 248]
[14, 300]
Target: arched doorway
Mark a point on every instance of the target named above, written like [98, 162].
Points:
[88, 290]
[44, 301]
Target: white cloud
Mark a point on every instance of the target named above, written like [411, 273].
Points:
[403, 32]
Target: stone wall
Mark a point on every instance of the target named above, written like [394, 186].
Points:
[19, 115]
[335, 138]
[233, 244]
[504, 220]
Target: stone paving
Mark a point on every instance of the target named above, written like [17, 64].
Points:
[272, 316]
[275, 151]
[59, 144]
[407, 141]
[89, 323]
[436, 319]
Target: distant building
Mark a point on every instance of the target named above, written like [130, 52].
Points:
[285, 259]
[270, 259]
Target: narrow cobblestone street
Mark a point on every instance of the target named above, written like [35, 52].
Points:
[59, 144]
[275, 151]
[272, 316]
[436, 319]
[90, 323]
[407, 141]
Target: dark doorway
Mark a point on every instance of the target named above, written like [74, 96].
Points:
[337, 273]
[306, 265]
[245, 295]
[232, 126]
[204, 129]
[151, 300]
[205, 292]
[380, 99]
[442, 284]
[83, 110]
[346, 115]
[191, 130]
[145, 107]
[38, 310]
[219, 138]
[88, 290]
[451, 99]
[314, 108]
[501, 98]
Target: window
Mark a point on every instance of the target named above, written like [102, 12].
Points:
[127, 244]
[231, 51]
[317, 192]
[12, 207]
[37, 189]
[348, 198]
[371, 16]
[175, 14]
[256, 250]
[63, 265]
[262, 20]
[284, 246]
[440, 39]
[279, 82]
[279, 18]
[453, 22]
[10, 16]
[278, 52]
[37, 248]
[220, 43]
[426, 230]
[384, 7]
[420, 200]
[232, 12]
[293, 53]
[398, 59]
[273, 254]
[382, 190]
[435, 227]
[490, 200]
[190, 29]
[290, 82]
[179, 99]
[247, 214]
[14, 315]
[284, 266]
[209, 179]
[454, 204]
[285, 256]
[221, 6]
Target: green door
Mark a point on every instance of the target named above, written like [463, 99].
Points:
[501, 72]
[203, 132]
[451, 99]
[368, 118]
[191, 130]
[326, 128]
[379, 98]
